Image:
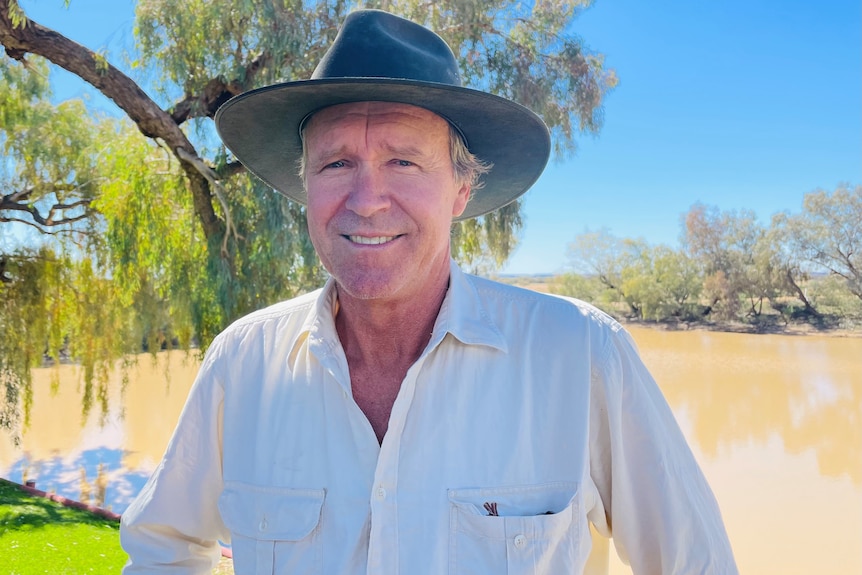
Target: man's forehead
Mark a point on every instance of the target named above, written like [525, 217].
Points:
[376, 112]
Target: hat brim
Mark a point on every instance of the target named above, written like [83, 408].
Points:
[261, 128]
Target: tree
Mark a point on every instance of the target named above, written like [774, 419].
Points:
[789, 271]
[736, 256]
[828, 233]
[662, 283]
[604, 256]
[600, 254]
[583, 287]
[187, 240]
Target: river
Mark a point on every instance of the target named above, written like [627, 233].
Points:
[775, 421]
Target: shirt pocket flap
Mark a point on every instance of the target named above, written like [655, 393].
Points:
[539, 511]
[270, 513]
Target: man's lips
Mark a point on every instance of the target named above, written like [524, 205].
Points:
[370, 240]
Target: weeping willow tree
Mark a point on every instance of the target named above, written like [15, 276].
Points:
[141, 232]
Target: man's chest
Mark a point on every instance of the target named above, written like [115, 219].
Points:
[454, 418]
[375, 391]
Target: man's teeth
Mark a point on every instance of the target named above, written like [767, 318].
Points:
[367, 240]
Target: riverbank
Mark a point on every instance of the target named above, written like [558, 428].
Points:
[767, 326]
[768, 323]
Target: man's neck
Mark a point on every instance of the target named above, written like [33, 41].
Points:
[393, 332]
[380, 343]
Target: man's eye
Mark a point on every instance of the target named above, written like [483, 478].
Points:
[338, 164]
[404, 163]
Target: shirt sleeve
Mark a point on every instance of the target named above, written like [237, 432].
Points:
[174, 526]
[658, 506]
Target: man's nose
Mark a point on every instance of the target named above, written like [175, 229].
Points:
[368, 194]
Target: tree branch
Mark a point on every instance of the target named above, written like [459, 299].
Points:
[44, 221]
[212, 178]
[152, 121]
[42, 227]
[230, 169]
[216, 92]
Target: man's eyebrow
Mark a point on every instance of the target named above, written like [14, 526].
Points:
[407, 150]
[398, 150]
[326, 153]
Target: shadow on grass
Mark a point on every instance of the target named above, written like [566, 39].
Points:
[21, 511]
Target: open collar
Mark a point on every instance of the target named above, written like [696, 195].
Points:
[463, 314]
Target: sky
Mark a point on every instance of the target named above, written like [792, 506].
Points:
[739, 104]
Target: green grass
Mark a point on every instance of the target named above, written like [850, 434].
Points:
[40, 536]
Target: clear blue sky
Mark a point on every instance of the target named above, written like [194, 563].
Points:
[741, 104]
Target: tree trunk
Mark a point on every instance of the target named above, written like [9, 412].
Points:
[801, 294]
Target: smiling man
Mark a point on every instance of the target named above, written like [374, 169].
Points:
[407, 417]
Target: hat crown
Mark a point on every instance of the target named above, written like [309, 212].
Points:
[376, 44]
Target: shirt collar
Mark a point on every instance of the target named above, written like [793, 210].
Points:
[463, 314]
[319, 324]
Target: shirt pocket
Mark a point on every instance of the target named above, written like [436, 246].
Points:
[273, 529]
[530, 529]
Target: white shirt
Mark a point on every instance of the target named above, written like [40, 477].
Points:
[533, 407]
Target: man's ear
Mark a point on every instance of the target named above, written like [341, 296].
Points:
[461, 200]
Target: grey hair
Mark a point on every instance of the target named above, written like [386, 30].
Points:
[468, 168]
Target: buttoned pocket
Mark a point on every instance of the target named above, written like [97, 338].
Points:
[273, 529]
[531, 529]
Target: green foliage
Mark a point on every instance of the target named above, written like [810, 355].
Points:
[53, 150]
[600, 254]
[54, 299]
[586, 288]
[831, 296]
[16, 15]
[662, 284]
[483, 244]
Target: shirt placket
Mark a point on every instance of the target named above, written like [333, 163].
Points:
[383, 546]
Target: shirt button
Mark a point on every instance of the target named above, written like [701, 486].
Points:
[381, 493]
[262, 525]
[520, 541]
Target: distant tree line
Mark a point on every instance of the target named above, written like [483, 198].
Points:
[800, 267]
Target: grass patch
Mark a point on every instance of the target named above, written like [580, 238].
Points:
[40, 536]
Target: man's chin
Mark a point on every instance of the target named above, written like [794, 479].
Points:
[368, 288]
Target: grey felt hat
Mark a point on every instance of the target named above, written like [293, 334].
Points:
[377, 56]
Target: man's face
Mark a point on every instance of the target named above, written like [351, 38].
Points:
[382, 193]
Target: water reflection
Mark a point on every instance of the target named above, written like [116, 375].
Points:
[775, 423]
[94, 476]
[737, 389]
[105, 460]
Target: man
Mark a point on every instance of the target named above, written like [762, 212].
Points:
[409, 418]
